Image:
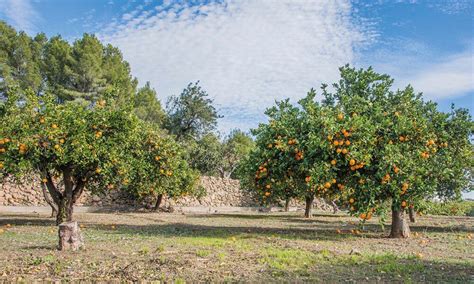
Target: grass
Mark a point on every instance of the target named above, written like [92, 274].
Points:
[259, 247]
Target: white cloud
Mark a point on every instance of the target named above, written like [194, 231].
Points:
[451, 77]
[21, 14]
[245, 53]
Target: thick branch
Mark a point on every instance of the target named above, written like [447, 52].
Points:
[68, 183]
[48, 198]
[53, 191]
[78, 189]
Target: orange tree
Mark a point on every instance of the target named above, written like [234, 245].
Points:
[160, 168]
[286, 162]
[400, 142]
[97, 147]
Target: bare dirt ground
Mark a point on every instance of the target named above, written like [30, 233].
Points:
[257, 247]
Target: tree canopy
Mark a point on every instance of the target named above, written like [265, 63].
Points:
[191, 114]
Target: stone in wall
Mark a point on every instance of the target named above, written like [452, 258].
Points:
[220, 192]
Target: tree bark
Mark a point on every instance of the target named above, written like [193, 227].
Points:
[49, 200]
[400, 228]
[158, 202]
[412, 214]
[287, 204]
[70, 237]
[65, 211]
[308, 209]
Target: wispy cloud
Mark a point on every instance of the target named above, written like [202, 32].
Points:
[448, 78]
[437, 75]
[20, 13]
[245, 53]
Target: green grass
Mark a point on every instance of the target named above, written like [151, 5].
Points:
[254, 248]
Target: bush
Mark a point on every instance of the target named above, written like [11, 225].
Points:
[450, 208]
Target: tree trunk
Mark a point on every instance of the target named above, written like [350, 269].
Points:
[412, 214]
[287, 204]
[65, 210]
[309, 204]
[70, 237]
[400, 228]
[158, 202]
[49, 200]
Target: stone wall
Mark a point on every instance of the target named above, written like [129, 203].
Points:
[219, 192]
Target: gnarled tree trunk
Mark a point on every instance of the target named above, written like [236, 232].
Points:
[65, 210]
[400, 228]
[412, 214]
[309, 204]
[70, 237]
[158, 202]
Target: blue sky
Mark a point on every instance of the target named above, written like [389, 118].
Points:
[249, 53]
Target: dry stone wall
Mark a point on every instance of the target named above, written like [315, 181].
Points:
[219, 192]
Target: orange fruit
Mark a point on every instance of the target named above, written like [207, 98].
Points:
[344, 151]
[333, 162]
[44, 180]
[363, 216]
[327, 185]
[333, 180]
[340, 116]
[270, 145]
[338, 150]
[308, 179]
[351, 201]
[336, 143]
[267, 194]
[352, 162]
[57, 146]
[54, 126]
[98, 171]
[404, 204]
[405, 186]
[348, 142]
[401, 138]
[268, 186]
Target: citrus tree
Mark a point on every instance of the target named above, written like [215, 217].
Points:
[290, 159]
[72, 146]
[160, 168]
[400, 142]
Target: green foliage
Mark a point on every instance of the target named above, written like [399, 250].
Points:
[100, 147]
[205, 154]
[20, 58]
[191, 114]
[449, 208]
[236, 146]
[147, 106]
[82, 72]
[364, 144]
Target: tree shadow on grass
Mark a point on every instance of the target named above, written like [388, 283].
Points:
[27, 220]
[254, 216]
